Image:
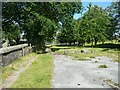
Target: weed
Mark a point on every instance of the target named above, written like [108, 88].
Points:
[99, 59]
[103, 66]
[96, 61]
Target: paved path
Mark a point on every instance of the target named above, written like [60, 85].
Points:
[70, 73]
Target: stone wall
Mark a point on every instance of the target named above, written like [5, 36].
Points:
[9, 54]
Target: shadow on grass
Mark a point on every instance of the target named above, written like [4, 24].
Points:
[106, 46]
[58, 48]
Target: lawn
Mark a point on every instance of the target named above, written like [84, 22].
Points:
[8, 70]
[109, 52]
[38, 74]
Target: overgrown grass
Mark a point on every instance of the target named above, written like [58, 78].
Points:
[111, 53]
[8, 70]
[37, 75]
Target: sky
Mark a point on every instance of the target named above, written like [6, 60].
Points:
[100, 4]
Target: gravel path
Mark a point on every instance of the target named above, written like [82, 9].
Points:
[71, 73]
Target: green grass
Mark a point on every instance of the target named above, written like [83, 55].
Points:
[111, 53]
[103, 66]
[8, 70]
[38, 74]
[79, 56]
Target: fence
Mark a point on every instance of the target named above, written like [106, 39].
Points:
[9, 54]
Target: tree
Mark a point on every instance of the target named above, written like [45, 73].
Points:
[67, 32]
[11, 16]
[38, 20]
[48, 12]
[66, 35]
[114, 13]
[41, 30]
[94, 25]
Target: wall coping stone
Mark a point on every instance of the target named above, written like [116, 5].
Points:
[12, 48]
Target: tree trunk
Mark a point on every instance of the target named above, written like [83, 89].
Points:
[74, 43]
[69, 43]
[95, 42]
[84, 44]
[102, 42]
[92, 44]
[40, 47]
[78, 43]
[66, 44]
[17, 41]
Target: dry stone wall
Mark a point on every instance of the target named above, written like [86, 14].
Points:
[9, 54]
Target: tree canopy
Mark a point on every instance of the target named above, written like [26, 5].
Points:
[114, 12]
[42, 20]
[38, 19]
[94, 25]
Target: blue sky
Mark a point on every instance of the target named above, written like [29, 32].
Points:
[100, 4]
